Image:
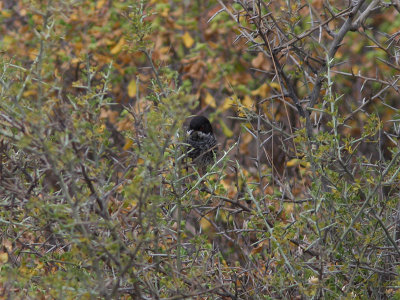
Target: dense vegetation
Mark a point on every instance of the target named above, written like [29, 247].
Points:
[97, 197]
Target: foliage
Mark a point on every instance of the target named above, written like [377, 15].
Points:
[99, 200]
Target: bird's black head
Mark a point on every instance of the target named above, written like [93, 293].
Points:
[200, 123]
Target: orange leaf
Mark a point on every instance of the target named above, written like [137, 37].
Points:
[6, 13]
[8, 245]
[118, 46]
[128, 144]
[257, 250]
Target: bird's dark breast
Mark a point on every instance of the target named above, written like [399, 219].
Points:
[202, 148]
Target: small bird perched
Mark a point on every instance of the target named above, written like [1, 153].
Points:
[203, 145]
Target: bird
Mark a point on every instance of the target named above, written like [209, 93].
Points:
[202, 143]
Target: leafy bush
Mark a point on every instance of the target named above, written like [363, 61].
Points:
[99, 199]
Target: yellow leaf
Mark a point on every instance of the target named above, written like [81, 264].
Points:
[289, 208]
[188, 41]
[100, 4]
[165, 12]
[246, 138]
[128, 144]
[7, 40]
[225, 129]
[247, 102]
[75, 60]
[29, 93]
[261, 91]
[224, 215]
[6, 13]
[204, 224]
[3, 257]
[293, 162]
[39, 265]
[275, 85]
[101, 128]
[118, 46]
[228, 103]
[33, 53]
[305, 165]
[226, 183]
[73, 17]
[313, 280]
[132, 88]
[209, 100]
